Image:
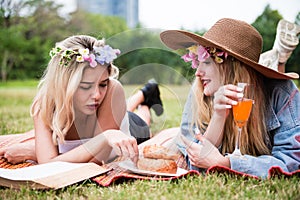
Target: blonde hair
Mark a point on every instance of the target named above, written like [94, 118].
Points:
[54, 99]
[254, 138]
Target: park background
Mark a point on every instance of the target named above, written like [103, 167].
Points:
[30, 28]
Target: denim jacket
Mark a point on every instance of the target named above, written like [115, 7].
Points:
[283, 125]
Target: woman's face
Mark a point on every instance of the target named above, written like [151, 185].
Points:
[209, 76]
[91, 90]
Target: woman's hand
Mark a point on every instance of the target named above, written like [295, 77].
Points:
[18, 153]
[122, 144]
[204, 155]
[225, 97]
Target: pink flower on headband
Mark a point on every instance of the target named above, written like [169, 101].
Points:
[202, 54]
[198, 53]
[91, 60]
[190, 56]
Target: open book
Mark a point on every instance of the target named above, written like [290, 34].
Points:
[51, 175]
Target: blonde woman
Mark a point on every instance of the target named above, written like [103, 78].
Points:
[226, 54]
[80, 112]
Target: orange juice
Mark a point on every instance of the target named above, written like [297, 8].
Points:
[241, 111]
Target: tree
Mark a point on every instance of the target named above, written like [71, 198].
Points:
[30, 28]
[96, 25]
[266, 24]
[144, 57]
[26, 31]
[8, 35]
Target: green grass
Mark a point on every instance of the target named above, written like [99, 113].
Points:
[15, 100]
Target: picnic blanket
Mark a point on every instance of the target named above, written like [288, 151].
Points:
[118, 174]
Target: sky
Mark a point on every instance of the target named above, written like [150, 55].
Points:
[200, 14]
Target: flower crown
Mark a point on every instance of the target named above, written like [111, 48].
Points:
[199, 53]
[103, 54]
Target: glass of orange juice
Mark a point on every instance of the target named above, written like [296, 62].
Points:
[241, 113]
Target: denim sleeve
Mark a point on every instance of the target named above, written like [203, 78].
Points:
[284, 125]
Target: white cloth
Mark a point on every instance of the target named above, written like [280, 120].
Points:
[71, 144]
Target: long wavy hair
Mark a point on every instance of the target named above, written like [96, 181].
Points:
[54, 99]
[254, 138]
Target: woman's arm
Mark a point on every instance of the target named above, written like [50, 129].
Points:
[19, 152]
[45, 149]
[96, 149]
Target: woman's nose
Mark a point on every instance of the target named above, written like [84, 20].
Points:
[97, 94]
[199, 72]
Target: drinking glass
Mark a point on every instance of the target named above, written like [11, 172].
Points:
[241, 113]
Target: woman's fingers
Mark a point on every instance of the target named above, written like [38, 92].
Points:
[192, 148]
[117, 149]
[2, 150]
[122, 144]
[126, 147]
[226, 97]
[234, 93]
[133, 147]
[188, 143]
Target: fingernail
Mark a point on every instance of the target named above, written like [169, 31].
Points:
[234, 102]
[228, 106]
[240, 95]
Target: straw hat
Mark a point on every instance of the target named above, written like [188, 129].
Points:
[235, 37]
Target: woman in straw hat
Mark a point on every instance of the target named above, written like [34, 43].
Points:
[226, 54]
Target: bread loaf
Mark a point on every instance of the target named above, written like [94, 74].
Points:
[158, 159]
[157, 165]
[158, 152]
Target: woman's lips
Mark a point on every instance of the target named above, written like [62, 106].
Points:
[93, 106]
[205, 82]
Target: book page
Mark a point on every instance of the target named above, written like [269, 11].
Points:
[40, 171]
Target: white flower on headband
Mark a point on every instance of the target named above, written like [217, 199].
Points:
[84, 52]
[86, 56]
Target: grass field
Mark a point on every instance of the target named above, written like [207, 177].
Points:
[15, 99]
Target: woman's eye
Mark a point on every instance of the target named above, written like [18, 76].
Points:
[103, 85]
[85, 87]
